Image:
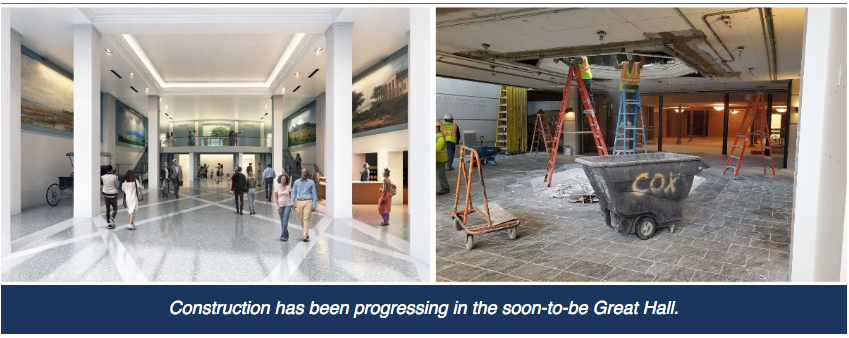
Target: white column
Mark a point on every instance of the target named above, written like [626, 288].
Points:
[277, 134]
[153, 142]
[86, 121]
[819, 223]
[421, 158]
[338, 135]
[193, 167]
[396, 174]
[239, 158]
[10, 128]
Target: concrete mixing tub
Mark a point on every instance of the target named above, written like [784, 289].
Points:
[643, 192]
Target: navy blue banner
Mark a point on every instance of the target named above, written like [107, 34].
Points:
[388, 309]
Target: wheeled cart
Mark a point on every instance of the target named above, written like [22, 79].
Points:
[495, 218]
[640, 193]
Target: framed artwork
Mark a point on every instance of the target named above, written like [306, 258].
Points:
[300, 127]
[380, 96]
[47, 96]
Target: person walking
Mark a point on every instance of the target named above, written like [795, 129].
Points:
[384, 204]
[268, 178]
[229, 183]
[167, 138]
[131, 189]
[441, 158]
[191, 138]
[306, 200]
[251, 192]
[250, 169]
[283, 201]
[164, 178]
[176, 177]
[451, 131]
[298, 162]
[218, 172]
[110, 195]
[238, 185]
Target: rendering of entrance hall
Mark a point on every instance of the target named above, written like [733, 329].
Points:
[143, 87]
[580, 206]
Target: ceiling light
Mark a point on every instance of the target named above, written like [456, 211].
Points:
[735, 111]
[131, 74]
[318, 50]
[108, 50]
[297, 73]
[283, 90]
[718, 108]
[781, 109]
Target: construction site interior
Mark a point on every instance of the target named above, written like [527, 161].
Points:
[719, 83]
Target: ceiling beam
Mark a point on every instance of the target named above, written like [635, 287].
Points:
[572, 51]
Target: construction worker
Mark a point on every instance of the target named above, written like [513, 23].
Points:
[441, 158]
[587, 76]
[629, 82]
[450, 130]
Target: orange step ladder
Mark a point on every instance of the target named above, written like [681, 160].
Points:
[541, 133]
[589, 111]
[754, 124]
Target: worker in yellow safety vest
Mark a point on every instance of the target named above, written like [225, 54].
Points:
[441, 158]
[451, 132]
[587, 76]
[629, 81]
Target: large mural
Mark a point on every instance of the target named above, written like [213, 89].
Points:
[380, 94]
[130, 125]
[47, 98]
[301, 126]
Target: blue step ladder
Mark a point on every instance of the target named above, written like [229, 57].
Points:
[627, 129]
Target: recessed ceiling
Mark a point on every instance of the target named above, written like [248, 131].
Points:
[214, 57]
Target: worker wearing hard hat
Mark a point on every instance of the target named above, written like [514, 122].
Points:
[587, 76]
[451, 132]
[441, 158]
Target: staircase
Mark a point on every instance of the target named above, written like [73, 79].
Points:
[140, 167]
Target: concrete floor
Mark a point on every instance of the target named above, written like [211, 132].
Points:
[199, 238]
[731, 231]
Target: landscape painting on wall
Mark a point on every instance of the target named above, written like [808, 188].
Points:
[130, 126]
[301, 126]
[380, 94]
[47, 98]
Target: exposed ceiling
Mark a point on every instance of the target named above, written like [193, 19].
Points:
[214, 49]
[517, 46]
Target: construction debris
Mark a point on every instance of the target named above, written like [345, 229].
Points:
[575, 191]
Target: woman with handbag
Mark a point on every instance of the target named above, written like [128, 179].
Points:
[384, 204]
[131, 188]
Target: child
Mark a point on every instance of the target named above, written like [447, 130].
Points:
[229, 183]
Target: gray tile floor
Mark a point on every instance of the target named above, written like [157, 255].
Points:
[199, 238]
[732, 230]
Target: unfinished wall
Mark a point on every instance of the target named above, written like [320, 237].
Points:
[474, 105]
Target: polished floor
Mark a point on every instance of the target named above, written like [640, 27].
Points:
[199, 238]
[731, 231]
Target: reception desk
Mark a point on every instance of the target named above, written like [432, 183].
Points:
[361, 192]
[365, 192]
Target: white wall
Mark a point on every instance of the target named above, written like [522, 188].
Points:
[474, 105]
[43, 160]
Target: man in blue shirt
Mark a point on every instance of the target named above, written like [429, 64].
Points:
[268, 178]
[306, 200]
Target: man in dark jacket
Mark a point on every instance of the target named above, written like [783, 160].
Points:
[240, 186]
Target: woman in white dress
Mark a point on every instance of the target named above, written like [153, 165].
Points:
[131, 187]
